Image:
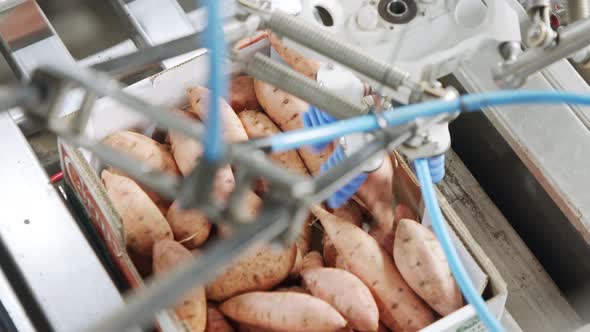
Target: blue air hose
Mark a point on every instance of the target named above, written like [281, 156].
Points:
[214, 42]
[439, 226]
[404, 114]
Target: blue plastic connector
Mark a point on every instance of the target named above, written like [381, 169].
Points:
[436, 166]
[343, 194]
[315, 118]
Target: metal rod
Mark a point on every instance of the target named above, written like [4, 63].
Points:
[103, 85]
[328, 182]
[285, 78]
[512, 73]
[256, 163]
[309, 35]
[83, 114]
[160, 182]
[14, 96]
[237, 197]
[162, 293]
[196, 187]
[21, 288]
[151, 56]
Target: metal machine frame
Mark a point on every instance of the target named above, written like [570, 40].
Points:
[284, 209]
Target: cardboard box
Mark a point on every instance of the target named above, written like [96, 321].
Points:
[168, 89]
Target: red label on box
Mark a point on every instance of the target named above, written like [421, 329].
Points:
[97, 216]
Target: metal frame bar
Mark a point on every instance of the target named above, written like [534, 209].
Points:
[513, 73]
[161, 293]
[283, 209]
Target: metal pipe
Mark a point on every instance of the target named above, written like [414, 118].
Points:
[280, 179]
[151, 56]
[309, 35]
[513, 73]
[284, 78]
[103, 85]
[14, 96]
[162, 293]
[328, 182]
[577, 10]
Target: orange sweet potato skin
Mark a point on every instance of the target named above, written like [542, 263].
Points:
[192, 310]
[298, 62]
[190, 227]
[216, 322]
[143, 223]
[312, 260]
[400, 308]
[283, 311]
[286, 111]
[423, 264]
[261, 269]
[144, 149]
[346, 293]
[242, 95]
[386, 237]
[233, 130]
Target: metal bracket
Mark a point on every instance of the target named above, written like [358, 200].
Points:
[25, 33]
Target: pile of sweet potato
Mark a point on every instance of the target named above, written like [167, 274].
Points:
[394, 277]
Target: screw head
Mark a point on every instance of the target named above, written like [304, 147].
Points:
[536, 34]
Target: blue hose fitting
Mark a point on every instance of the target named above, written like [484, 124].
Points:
[436, 166]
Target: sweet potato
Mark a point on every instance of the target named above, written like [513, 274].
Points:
[233, 130]
[257, 124]
[377, 194]
[339, 263]
[423, 264]
[312, 260]
[283, 311]
[298, 62]
[286, 111]
[247, 328]
[216, 322]
[400, 308]
[298, 265]
[351, 212]
[385, 237]
[346, 293]
[304, 239]
[190, 227]
[186, 151]
[242, 95]
[144, 149]
[193, 308]
[143, 223]
[260, 269]
[295, 289]
[382, 328]
[329, 251]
